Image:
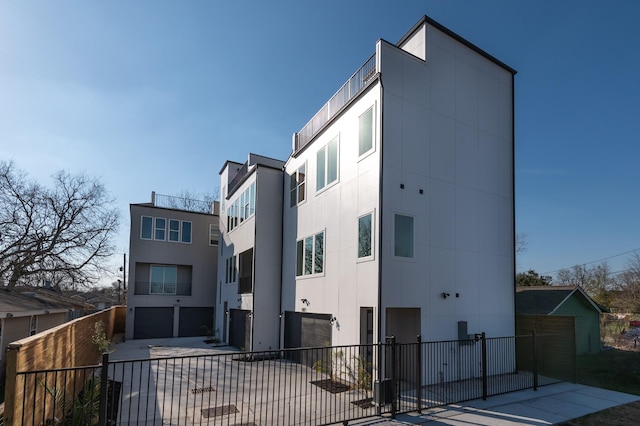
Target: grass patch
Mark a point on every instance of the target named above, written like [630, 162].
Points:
[617, 370]
[612, 369]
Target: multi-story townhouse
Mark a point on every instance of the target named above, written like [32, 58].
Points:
[250, 258]
[399, 200]
[172, 268]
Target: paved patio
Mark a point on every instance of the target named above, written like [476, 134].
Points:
[548, 405]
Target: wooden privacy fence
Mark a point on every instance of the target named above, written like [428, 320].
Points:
[68, 345]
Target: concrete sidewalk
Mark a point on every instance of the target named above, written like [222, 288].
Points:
[548, 405]
[551, 404]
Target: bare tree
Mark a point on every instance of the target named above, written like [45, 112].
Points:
[522, 242]
[62, 233]
[189, 200]
[628, 294]
[598, 280]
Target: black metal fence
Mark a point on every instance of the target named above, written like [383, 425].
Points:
[310, 386]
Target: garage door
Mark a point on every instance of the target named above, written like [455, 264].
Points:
[306, 330]
[152, 323]
[239, 329]
[195, 321]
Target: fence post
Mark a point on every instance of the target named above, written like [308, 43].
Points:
[394, 392]
[419, 356]
[104, 381]
[535, 360]
[484, 366]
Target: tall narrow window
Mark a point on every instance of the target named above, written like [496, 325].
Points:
[298, 185]
[161, 229]
[365, 236]
[310, 255]
[146, 228]
[230, 276]
[252, 199]
[327, 164]
[299, 257]
[186, 231]
[365, 136]
[174, 230]
[33, 325]
[403, 236]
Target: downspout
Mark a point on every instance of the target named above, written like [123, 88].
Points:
[380, 220]
[513, 190]
[253, 257]
[282, 206]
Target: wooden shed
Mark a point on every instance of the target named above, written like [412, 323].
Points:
[541, 307]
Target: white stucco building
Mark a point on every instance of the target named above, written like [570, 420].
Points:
[397, 212]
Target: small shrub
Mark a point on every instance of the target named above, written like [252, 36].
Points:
[99, 339]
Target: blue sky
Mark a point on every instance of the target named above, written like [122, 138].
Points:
[156, 95]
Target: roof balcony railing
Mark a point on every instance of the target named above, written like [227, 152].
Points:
[180, 203]
[348, 91]
[242, 171]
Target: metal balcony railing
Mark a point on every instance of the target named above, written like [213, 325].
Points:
[238, 177]
[348, 91]
[180, 203]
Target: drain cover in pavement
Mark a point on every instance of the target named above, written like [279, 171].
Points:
[203, 390]
[221, 410]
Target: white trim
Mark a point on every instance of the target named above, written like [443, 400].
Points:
[372, 236]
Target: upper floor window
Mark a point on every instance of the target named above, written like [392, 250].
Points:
[146, 231]
[174, 230]
[242, 208]
[230, 270]
[156, 229]
[298, 185]
[365, 236]
[214, 234]
[160, 229]
[310, 255]
[365, 134]
[403, 236]
[164, 279]
[186, 232]
[327, 164]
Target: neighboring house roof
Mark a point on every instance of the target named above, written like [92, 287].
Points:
[16, 304]
[53, 296]
[545, 300]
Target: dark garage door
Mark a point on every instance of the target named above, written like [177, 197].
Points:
[239, 329]
[151, 323]
[194, 320]
[305, 330]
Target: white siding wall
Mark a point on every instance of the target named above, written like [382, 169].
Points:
[263, 233]
[268, 259]
[448, 131]
[346, 284]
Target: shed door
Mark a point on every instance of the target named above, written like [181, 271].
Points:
[152, 323]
